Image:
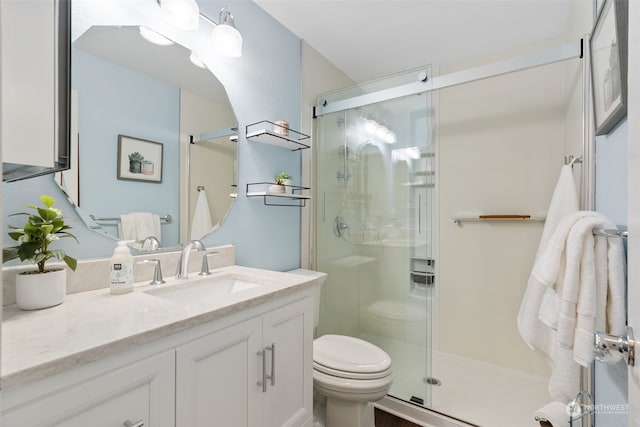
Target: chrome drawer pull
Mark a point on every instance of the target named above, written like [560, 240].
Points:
[272, 377]
[263, 383]
[138, 423]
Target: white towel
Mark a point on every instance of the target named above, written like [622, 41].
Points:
[147, 224]
[127, 227]
[137, 226]
[564, 201]
[537, 316]
[201, 223]
[576, 284]
[593, 292]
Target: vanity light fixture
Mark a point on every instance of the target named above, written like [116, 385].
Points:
[185, 15]
[226, 38]
[181, 14]
[153, 37]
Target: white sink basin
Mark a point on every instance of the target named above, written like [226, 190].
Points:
[207, 288]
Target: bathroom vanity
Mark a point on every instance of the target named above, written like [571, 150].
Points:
[234, 348]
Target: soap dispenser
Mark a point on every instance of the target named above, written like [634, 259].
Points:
[121, 269]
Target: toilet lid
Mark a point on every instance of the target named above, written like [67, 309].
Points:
[349, 357]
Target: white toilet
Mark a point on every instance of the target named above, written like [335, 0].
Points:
[348, 375]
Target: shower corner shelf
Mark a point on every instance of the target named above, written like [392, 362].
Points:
[263, 132]
[295, 199]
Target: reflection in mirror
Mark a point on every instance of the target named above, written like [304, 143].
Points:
[126, 85]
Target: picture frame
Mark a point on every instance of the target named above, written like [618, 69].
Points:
[139, 159]
[608, 51]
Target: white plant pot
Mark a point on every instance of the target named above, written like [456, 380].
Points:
[287, 186]
[276, 188]
[36, 291]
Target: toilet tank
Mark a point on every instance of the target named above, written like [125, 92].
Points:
[316, 291]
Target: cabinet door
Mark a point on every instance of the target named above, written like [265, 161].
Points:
[289, 401]
[216, 378]
[142, 391]
[34, 73]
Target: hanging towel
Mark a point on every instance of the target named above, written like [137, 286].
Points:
[201, 223]
[137, 226]
[127, 227]
[147, 224]
[586, 275]
[593, 290]
[564, 201]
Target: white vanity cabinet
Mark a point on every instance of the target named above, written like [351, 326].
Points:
[140, 392]
[254, 373]
[209, 373]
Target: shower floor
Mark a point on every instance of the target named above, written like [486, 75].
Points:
[477, 392]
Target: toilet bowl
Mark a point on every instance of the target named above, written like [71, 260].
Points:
[348, 375]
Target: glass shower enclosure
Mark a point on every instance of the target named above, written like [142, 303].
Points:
[375, 180]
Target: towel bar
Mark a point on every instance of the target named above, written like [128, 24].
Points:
[166, 219]
[510, 217]
[612, 233]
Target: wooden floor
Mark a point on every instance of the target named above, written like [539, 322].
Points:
[385, 419]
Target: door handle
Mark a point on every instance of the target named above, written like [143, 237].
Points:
[605, 344]
[138, 423]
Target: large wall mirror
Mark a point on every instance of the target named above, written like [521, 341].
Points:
[133, 96]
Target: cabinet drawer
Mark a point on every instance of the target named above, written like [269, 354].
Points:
[143, 391]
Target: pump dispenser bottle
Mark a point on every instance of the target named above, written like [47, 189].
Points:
[121, 269]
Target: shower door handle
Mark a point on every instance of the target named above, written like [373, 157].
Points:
[419, 214]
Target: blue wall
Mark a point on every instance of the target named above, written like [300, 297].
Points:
[113, 101]
[611, 200]
[264, 84]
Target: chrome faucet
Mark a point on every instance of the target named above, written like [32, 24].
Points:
[150, 243]
[183, 263]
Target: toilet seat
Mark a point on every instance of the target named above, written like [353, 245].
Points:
[350, 358]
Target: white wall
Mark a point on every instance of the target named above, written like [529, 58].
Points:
[318, 76]
[501, 146]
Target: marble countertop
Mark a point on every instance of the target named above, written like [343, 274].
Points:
[91, 325]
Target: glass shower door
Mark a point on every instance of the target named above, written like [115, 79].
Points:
[375, 185]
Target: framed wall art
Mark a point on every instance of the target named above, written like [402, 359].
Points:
[139, 159]
[608, 49]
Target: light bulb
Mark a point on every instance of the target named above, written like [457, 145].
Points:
[181, 14]
[227, 40]
[153, 37]
[195, 60]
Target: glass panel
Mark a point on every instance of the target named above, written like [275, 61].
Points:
[375, 179]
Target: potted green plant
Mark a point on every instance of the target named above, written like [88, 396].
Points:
[135, 162]
[42, 287]
[284, 180]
